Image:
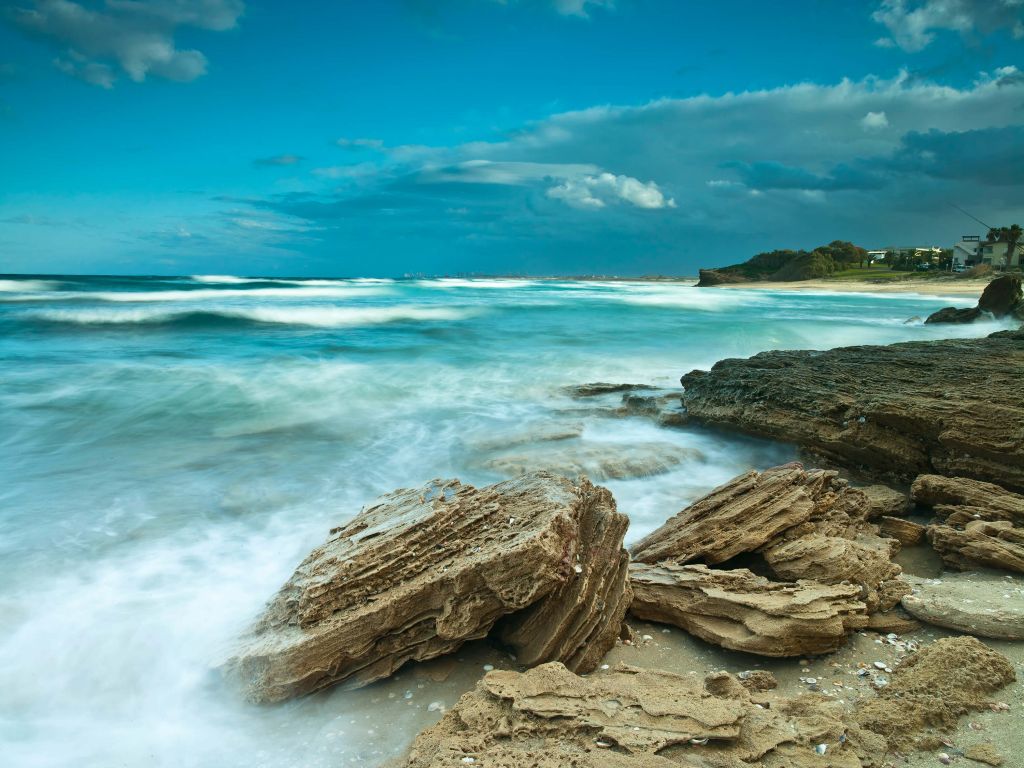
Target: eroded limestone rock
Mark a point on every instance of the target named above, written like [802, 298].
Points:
[421, 571]
[745, 612]
[984, 604]
[951, 406]
[748, 512]
[549, 718]
[906, 532]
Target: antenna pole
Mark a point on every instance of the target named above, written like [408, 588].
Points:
[965, 213]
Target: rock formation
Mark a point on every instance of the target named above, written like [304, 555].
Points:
[745, 612]
[951, 406]
[1002, 297]
[548, 717]
[982, 604]
[421, 571]
[885, 501]
[803, 524]
[978, 524]
[906, 532]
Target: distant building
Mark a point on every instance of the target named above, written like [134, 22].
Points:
[997, 255]
[927, 253]
[877, 255]
[965, 252]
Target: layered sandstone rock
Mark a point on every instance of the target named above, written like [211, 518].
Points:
[982, 604]
[804, 525]
[548, 717]
[885, 501]
[978, 524]
[743, 515]
[950, 406]
[421, 571]
[906, 532]
[1001, 298]
[745, 612]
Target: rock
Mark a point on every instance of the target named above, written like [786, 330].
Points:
[421, 571]
[984, 753]
[885, 501]
[548, 717]
[710, 277]
[758, 680]
[739, 610]
[746, 513]
[1002, 297]
[598, 388]
[599, 460]
[959, 499]
[983, 604]
[979, 543]
[933, 688]
[906, 532]
[951, 407]
[835, 560]
[893, 621]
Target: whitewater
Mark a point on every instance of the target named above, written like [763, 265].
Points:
[173, 447]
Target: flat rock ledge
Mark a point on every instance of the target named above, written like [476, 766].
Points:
[950, 407]
[548, 717]
[977, 524]
[739, 610]
[421, 571]
[985, 604]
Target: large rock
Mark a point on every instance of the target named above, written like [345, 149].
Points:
[983, 604]
[421, 571]
[951, 406]
[933, 688]
[885, 501]
[805, 524]
[745, 612]
[959, 499]
[746, 513]
[979, 543]
[548, 717]
[979, 524]
[1001, 298]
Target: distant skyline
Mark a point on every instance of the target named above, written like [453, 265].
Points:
[498, 136]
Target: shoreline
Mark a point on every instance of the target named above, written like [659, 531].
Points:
[966, 287]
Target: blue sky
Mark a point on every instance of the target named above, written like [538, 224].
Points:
[536, 136]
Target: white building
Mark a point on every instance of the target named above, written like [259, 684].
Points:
[965, 251]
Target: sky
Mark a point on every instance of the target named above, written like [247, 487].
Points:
[629, 137]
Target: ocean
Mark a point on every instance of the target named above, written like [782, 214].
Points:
[173, 447]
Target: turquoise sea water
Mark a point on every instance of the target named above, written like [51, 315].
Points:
[172, 447]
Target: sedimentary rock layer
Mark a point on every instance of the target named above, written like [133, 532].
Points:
[982, 604]
[421, 571]
[745, 612]
[549, 718]
[952, 406]
[979, 524]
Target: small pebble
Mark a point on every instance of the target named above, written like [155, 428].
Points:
[879, 665]
[488, 667]
[944, 758]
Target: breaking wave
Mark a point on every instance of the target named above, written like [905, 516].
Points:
[313, 317]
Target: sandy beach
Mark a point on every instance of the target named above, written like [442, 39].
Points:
[945, 287]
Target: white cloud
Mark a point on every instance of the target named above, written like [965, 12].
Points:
[581, 7]
[913, 24]
[597, 191]
[874, 121]
[376, 144]
[136, 35]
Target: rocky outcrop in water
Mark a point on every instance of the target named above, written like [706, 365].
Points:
[977, 523]
[982, 604]
[739, 610]
[951, 407]
[548, 717]
[421, 571]
[1002, 297]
